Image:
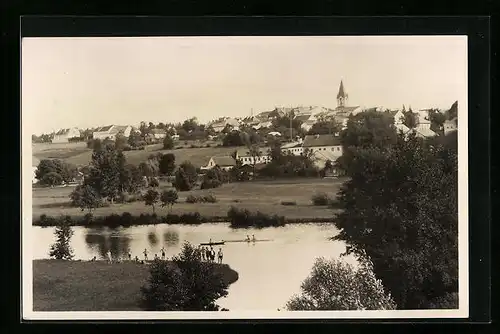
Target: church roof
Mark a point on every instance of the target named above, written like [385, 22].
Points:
[341, 90]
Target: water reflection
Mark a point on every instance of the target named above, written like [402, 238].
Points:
[171, 238]
[152, 239]
[103, 241]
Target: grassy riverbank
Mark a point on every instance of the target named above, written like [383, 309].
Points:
[93, 286]
[263, 196]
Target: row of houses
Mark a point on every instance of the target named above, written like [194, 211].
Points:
[322, 147]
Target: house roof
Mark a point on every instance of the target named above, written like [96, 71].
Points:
[303, 117]
[321, 140]
[245, 152]
[104, 128]
[224, 161]
[62, 132]
[291, 145]
[402, 127]
[426, 132]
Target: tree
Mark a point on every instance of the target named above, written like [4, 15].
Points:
[325, 127]
[169, 198]
[184, 284]
[134, 139]
[453, 111]
[151, 198]
[144, 130]
[213, 178]
[120, 141]
[168, 143]
[234, 138]
[154, 183]
[400, 211]
[185, 176]
[167, 164]
[410, 119]
[437, 119]
[335, 285]
[190, 124]
[61, 249]
[66, 171]
[364, 130]
[105, 171]
[85, 197]
[51, 179]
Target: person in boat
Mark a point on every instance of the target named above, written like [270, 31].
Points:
[253, 237]
[136, 258]
[220, 255]
[163, 253]
[145, 254]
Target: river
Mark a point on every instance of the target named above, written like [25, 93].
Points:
[270, 273]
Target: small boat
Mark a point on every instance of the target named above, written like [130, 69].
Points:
[244, 240]
[212, 243]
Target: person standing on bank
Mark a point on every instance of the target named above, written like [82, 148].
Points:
[163, 253]
[145, 254]
[220, 256]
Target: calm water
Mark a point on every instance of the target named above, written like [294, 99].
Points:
[269, 272]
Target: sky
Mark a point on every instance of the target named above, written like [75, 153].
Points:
[87, 82]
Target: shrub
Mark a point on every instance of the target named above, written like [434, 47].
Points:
[335, 285]
[192, 199]
[244, 218]
[288, 203]
[210, 198]
[193, 146]
[320, 199]
[208, 145]
[185, 284]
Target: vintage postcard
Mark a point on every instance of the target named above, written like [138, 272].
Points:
[245, 177]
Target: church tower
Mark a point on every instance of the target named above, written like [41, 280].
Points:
[342, 96]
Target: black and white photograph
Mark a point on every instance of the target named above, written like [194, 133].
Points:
[235, 177]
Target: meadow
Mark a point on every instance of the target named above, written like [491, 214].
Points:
[60, 285]
[264, 196]
[80, 155]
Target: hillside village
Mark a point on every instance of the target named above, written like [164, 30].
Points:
[299, 129]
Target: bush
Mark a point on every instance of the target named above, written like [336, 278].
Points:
[320, 199]
[335, 285]
[288, 203]
[61, 249]
[244, 218]
[208, 145]
[184, 284]
[210, 198]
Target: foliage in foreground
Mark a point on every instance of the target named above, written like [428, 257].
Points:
[184, 284]
[335, 285]
[400, 206]
[61, 249]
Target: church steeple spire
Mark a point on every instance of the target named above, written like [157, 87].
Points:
[341, 96]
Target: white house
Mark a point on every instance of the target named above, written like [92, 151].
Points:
[323, 143]
[244, 156]
[159, 133]
[294, 148]
[64, 135]
[450, 125]
[110, 131]
[224, 162]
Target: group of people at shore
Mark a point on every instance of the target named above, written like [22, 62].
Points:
[208, 254]
[110, 259]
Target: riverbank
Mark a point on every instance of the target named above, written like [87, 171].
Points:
[94, 286]
[266, 197]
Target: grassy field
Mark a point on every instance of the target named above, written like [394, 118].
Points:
[92, 286]
[80, 155]
[263, 196]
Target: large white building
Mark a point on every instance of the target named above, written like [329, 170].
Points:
[110, 131]
[64, 135]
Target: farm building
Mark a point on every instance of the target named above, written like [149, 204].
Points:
[245, 156]
[158, 133]
[224, 162]
[64, 135]
[110, 131]
[323, 143]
